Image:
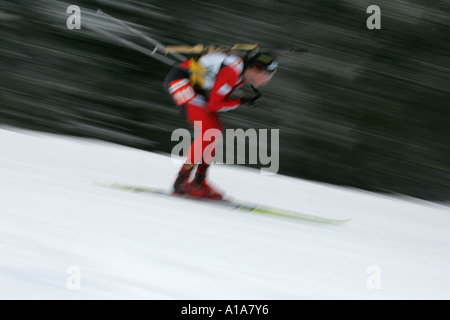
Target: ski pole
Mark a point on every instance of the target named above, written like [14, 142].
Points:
[157, 44]
[134, 46]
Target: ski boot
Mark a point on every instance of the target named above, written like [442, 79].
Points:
[181, 185]
[199, 186]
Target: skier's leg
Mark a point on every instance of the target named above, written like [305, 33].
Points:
[196, 116]
[205, 121]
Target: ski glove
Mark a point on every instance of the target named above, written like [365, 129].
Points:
[253, 102]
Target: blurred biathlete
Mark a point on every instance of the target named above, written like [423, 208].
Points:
[201, 87]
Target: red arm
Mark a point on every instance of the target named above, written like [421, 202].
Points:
[219, 97]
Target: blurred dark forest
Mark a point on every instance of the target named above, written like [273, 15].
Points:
[363, 108]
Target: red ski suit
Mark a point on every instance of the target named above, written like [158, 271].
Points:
[225, 74]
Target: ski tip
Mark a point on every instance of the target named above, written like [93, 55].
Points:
[340, 221]
[293, 215]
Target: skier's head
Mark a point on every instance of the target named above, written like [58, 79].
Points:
[260, 68]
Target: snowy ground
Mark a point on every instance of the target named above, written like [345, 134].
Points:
[62, 237]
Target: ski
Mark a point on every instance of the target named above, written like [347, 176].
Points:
[231, 204]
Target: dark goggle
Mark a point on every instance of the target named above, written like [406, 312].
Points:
[272, 67]
[267, 62]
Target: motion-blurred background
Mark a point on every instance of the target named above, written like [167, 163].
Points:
[363, 108]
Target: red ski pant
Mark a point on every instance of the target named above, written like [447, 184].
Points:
[207, 126]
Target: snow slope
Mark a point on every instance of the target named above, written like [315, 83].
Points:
[63, 237]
